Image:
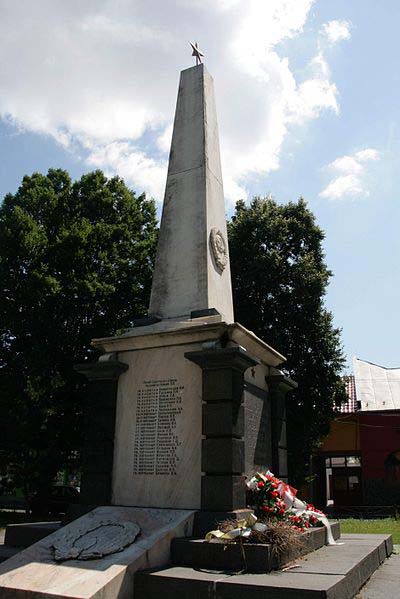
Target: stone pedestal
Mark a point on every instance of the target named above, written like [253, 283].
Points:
[193, 416]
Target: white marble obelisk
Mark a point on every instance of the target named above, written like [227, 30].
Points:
[158, 430]
[192, 269]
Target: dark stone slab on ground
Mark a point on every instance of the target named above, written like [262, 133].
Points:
[179, 582]
[385, 583]
[367, 538]
[250, 557]
[24, 535]
[332, 572]
[284, 585]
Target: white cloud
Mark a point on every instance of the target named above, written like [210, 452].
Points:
[350, 178]
[120, 157]
[337, 31]
[342, 186]
[347, 164]
[101, 77]
[367, 154]
[164, 140]
[316, 93]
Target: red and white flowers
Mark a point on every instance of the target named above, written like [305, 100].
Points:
[272, 498]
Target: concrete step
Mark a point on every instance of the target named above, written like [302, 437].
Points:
[332, 572]
[24, 535]
[385, 582]
[253, 557]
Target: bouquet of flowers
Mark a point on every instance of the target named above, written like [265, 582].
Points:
[264, 496]
[275, 500]
[278, 515]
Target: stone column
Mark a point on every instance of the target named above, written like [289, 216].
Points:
[223, 457]
[279, 385]
[99, 428]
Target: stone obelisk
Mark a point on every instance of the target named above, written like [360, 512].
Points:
[180, 426]
[192, 272]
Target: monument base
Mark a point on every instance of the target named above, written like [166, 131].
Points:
[248, 557]
[331, 572]
[195, 413]
[35, 573]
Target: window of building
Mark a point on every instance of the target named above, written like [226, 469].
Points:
[343, 480]
[392, 468]
[338, 462]
[351, 461]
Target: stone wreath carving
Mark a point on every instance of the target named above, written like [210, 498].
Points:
[219, 248]
[95, 541]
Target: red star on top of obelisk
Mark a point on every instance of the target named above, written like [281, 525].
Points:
[196, 52]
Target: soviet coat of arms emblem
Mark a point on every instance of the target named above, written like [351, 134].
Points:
[219, 248]
[95, 541]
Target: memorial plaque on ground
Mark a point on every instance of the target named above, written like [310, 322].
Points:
[100, 553]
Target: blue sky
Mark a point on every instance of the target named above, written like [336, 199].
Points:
[308, 104]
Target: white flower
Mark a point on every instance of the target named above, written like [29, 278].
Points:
[252, 484]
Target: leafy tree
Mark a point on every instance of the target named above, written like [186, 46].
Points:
[279, 280]
[75, 263]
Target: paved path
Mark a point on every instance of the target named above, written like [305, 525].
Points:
[385, 583]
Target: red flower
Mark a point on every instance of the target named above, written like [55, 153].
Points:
[260, 484]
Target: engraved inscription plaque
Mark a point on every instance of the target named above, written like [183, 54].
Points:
[156, 440]
[157, 457]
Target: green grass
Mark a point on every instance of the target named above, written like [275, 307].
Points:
[382, 526]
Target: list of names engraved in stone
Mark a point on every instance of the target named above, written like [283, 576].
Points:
[156, 441]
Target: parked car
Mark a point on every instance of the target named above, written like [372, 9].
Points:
[53, 503]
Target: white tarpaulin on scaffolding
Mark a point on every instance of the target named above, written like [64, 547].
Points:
[377, 387]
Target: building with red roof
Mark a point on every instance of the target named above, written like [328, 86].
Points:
[358, 463]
